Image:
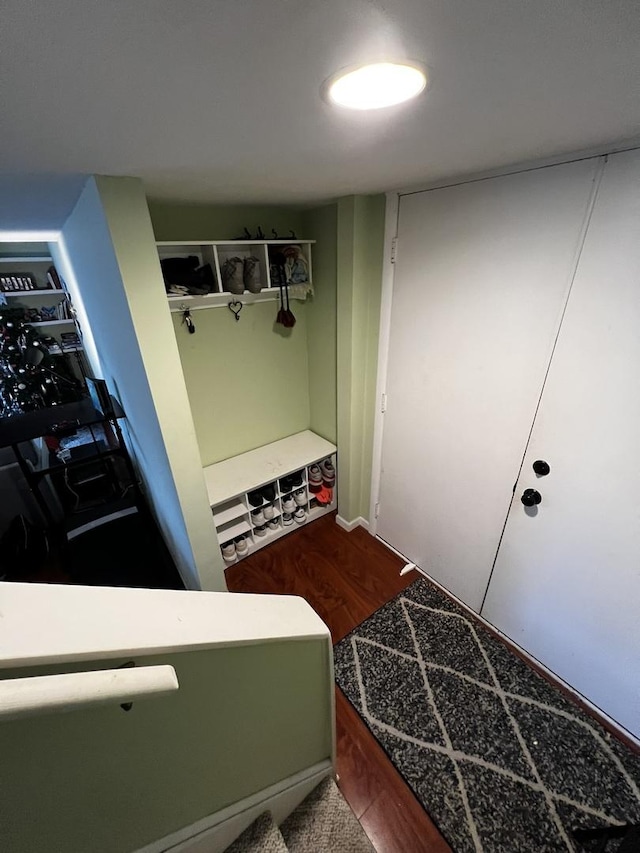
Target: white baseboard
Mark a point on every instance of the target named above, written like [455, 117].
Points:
[351, 525]
[216, 832]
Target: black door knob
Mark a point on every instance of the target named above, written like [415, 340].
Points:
[531, 498]
[541, 467]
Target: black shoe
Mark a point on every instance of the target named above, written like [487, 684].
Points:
[269, 492]
[295, 479]
[285, 485]
[255, 498]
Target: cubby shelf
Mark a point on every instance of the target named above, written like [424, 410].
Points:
[216, 252]
[230, 482]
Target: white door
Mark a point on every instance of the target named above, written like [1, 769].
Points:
[566, 584]
[482, 275]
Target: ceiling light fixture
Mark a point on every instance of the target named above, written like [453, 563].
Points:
[371, 87]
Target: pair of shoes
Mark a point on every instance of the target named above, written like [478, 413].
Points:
[287, 519]
[237, 547]
[324, 496]
[266, 493]
[288, 504]
[290, 482]
[314, 475]
[299, 515]
[240, 274]
[328, 473]
[229, 552]
[300, 497]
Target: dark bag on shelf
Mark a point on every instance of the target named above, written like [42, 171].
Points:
[185, 272]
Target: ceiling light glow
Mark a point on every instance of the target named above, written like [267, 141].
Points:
[372, 87]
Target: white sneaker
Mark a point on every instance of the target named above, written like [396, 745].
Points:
[274, 524]
[299, 515]
[257, 516]
[288, 504]
[242, 546]
[300, 497]
[269, 512]
[229, 552]
[260, 531]
[287, 519]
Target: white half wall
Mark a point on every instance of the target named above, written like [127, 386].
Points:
[109, 257]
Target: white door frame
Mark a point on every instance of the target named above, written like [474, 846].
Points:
[388, 269]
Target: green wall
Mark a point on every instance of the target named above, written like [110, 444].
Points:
[105, 780]
[222, 222]
[253, 382]
[359, 265]
[321, 224]
[247, 381]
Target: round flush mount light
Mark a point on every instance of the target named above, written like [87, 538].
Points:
[372, 87]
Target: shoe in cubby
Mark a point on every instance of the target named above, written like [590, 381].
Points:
[251, 275]
[314, 475]
[285, 485]
[299, 515]
[257, 516]
[288, 504]
[255, 497]
[260, 531]
[324, 497]
[273, 524]
[287, 519]
[229, 552]
[296, 479]
[328, 473]
[232, 271]
[300, 497]
[269, 512]
[268, 492]
[242, 546]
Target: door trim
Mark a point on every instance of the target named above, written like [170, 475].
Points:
[388, 270]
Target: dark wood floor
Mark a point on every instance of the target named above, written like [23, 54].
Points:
[346, 577]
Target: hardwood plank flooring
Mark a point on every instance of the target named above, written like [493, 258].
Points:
[346, 577]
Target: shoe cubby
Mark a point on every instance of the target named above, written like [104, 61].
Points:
[233, 273]
[266, 477]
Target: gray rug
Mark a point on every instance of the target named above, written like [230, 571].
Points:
[501, 760]
[262, 836]
[324, 822]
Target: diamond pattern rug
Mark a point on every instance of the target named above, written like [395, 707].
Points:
[499, 758]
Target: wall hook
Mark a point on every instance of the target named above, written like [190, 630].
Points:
[186, 318]
[235, 307]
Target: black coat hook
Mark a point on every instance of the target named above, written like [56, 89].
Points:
[235, 307]
[186, 318]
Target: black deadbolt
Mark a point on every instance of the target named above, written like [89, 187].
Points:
[541, 467]
[531, 498]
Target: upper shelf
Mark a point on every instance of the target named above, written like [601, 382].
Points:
[223, 270]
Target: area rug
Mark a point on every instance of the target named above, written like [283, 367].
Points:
[499, 758]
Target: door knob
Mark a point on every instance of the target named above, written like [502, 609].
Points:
[531, 498]
[541, 467]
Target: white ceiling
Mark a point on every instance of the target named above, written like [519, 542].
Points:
[219, 101]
